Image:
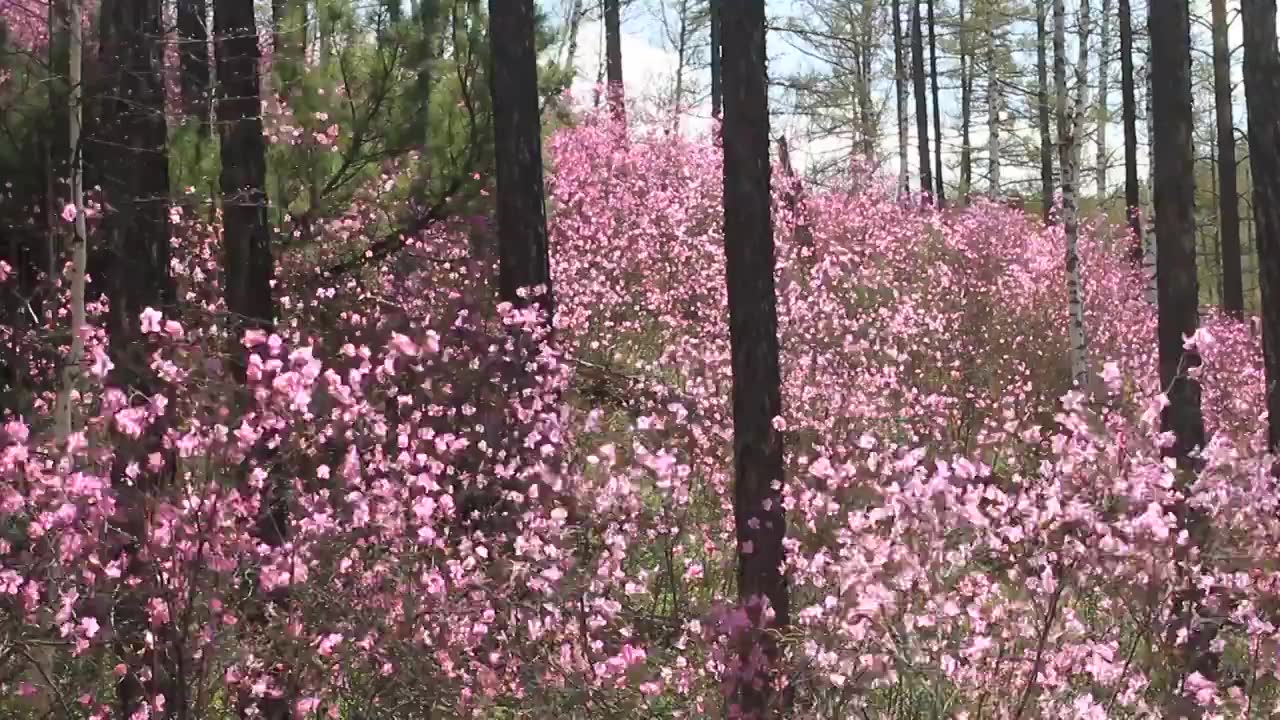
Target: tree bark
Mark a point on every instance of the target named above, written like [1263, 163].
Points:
[613, 59]
[1178, 285]
[1042, 101]
[1228, 195]
[717, 84]
[1070, 124]
[940, 191]
[1104, 111]
[79, 250]
[1262, 96]
[993, 116]
[759, 519]
[866, 109]
[575, 23]
[193, 40]
[523, 261]
[1129, 108]
[966, 108]
[900, 94]
[919, 88]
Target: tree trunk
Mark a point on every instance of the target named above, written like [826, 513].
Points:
[135, 235]
[1228, 195]
[1174, 167]
[1129, 108]
[1042, 101]
[1104, 112]
[759, 519]
[717, 87]
[682, 52]
[919, 87]
[966, 108]
[575, 23]
[1070, 125]
[866, 108]
[940, 192]
[429, 21]
[613, 59]
[1262, 96]
[79, 250]
[193, 39]
[993, 117]
[900, 94]
[524, 266]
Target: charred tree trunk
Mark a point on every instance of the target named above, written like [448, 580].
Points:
[1262, 95]
[1129, 109]
[920, 90]
[748, 230]
[900, 95]
[1228, 195]
[613, 59]
[523, 261]
[939, 192]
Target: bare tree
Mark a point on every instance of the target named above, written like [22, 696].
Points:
[919, 89]
[1228, 195]
[900, 96]
[1132, 201]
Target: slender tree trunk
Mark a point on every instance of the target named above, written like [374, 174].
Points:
[993, 117]
[1042, 102]
[429, 21]
[682, 48]
[1262, 95]
[575, 23]
[79, 250]
[1228, 195]
[940, 191]
[193, 39]
[920, 90]
[1129, 109]
[613, 59]
[1104, 110]
[1151, 246]
[717, 85]
[523, 260]
[966, 108]
[1070, 125]
[759, 518]
[900, 94]
[866, 110]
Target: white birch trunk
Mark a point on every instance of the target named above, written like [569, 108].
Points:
[79, 253]
[1069, 157]
[993, 116]
[1104, 88]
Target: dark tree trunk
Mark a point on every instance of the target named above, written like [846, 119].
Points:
[1178, 286]
[1129, 110]
[193, 41]
[248, 263]
[940, 192]
[429, 22]
[613, 59]
[966, 109]
[1228, 195]
[1042, 111]
[523, 261]
[748, 230]
[919, 87]
[1262, 95]
[717, 87]
[900, 97]
[135, 233]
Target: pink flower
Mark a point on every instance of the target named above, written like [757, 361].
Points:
[69, 212]
[151, 318]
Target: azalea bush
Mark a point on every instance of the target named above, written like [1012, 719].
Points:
[407, 500]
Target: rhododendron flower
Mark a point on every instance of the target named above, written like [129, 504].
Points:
[69, 212]
[150, 318]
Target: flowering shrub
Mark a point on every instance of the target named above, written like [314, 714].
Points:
[422, 505]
